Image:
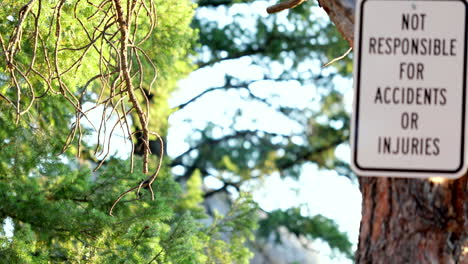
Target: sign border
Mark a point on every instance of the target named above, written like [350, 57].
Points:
[380, 170]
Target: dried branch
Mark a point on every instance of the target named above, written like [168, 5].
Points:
[14, 43]
[124, 69]
[284, 5]
[111, 33]
[147, 183]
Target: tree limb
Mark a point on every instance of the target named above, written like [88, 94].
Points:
[124, 68]
[341, 12]
[284, 5]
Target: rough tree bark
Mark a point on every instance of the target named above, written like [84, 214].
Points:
[407, 220]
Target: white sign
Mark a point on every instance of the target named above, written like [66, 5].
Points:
[410, 89]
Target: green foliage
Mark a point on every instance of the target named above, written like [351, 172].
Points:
[60, 216]
[239, 224]
[311, 227]
[301, 37]
[42, 51]
[170, 46]
[58, 208]
[193, 197]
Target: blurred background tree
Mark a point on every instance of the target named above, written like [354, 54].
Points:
[262, 104]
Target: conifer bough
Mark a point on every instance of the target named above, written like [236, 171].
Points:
[111, 35]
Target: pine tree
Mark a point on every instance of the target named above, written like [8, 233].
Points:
[58, 60]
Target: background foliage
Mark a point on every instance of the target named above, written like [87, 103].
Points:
[281, 52]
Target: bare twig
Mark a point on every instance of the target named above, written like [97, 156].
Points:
[147, 183]
[15, 40]
[338, 58]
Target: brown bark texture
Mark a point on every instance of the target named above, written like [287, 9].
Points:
[341, 12]
[413, 221]
[407, 220]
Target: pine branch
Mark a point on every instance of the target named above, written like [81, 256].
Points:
[124, 69]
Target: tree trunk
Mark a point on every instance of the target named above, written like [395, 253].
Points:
[413, 221]
[407, 220]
